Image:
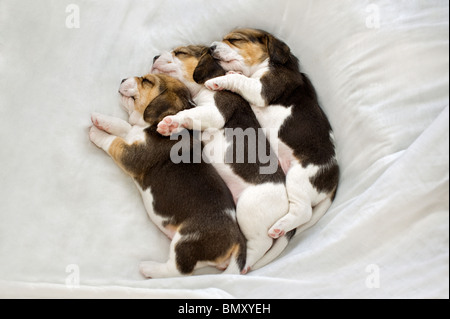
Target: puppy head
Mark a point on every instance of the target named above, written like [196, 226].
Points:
[193, 65]
[148, 99]
[244, 49]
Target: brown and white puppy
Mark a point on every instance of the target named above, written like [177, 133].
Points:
[231, 128]
[284, 100]
[189, 202]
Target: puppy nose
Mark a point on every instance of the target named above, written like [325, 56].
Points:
[156, 58]
[213, 47]
[123, 81]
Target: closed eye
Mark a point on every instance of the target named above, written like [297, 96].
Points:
[235, 41]
[146, 81]
[180, 53]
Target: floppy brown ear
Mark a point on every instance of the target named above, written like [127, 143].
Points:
[279, 52]
[207, 68]
[169, 102]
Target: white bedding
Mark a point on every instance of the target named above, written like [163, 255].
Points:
[73, 225]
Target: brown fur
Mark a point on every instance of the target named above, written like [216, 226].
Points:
[189, 55]
[255, 46]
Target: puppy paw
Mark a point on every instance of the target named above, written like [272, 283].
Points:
[100, 138]
[99, 121]
[97, 136]
[217, 84]
[169, 125]
[146, 269]
[235, 72]
[245, 270]
[151, 269]
[276, 232]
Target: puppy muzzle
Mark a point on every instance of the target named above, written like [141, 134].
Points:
[128, 87]
[163, 63]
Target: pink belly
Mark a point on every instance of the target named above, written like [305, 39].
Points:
[285, 156]
[236, 187]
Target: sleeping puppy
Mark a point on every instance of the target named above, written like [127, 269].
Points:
[258, 190]
[284, 99]
[189, 202]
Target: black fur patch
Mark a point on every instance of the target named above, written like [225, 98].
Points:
[207, 68]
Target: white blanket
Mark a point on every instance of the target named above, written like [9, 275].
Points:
[72, 224]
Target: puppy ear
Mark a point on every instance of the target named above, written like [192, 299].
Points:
[169, 102]
[279, 52]
[207, 68]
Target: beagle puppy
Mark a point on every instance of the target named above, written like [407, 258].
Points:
[259, 190]
[189, 202]
[267, 75]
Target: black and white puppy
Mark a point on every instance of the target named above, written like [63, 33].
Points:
[284, 99]
[189, 202]
[258, 189]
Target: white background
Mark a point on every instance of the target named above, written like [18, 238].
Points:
[69, 216]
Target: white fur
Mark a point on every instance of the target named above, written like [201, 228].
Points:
[231, 60]
[101, 138]
[203, 117]
[246, 82]
[258, 208]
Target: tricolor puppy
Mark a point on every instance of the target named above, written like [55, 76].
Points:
[189, 202]
[259, 190]
[284, 99]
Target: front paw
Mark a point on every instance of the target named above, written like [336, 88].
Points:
[100, 138]
[277, 230]
[170, 125]
[217, 84]
[100, 121]
[235, 72]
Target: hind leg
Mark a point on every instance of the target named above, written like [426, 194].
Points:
[299, 191]
[257, 209]
[256, 249]
[111, 125]
[152, 269]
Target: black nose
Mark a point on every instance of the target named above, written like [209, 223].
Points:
[123, 81]
[156, 58]
[212, 48]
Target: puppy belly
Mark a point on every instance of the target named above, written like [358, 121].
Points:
[285, 156]
[235, 183]
[215, 151]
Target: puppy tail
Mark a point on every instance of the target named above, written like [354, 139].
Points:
[237, 260]
[277, 248]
